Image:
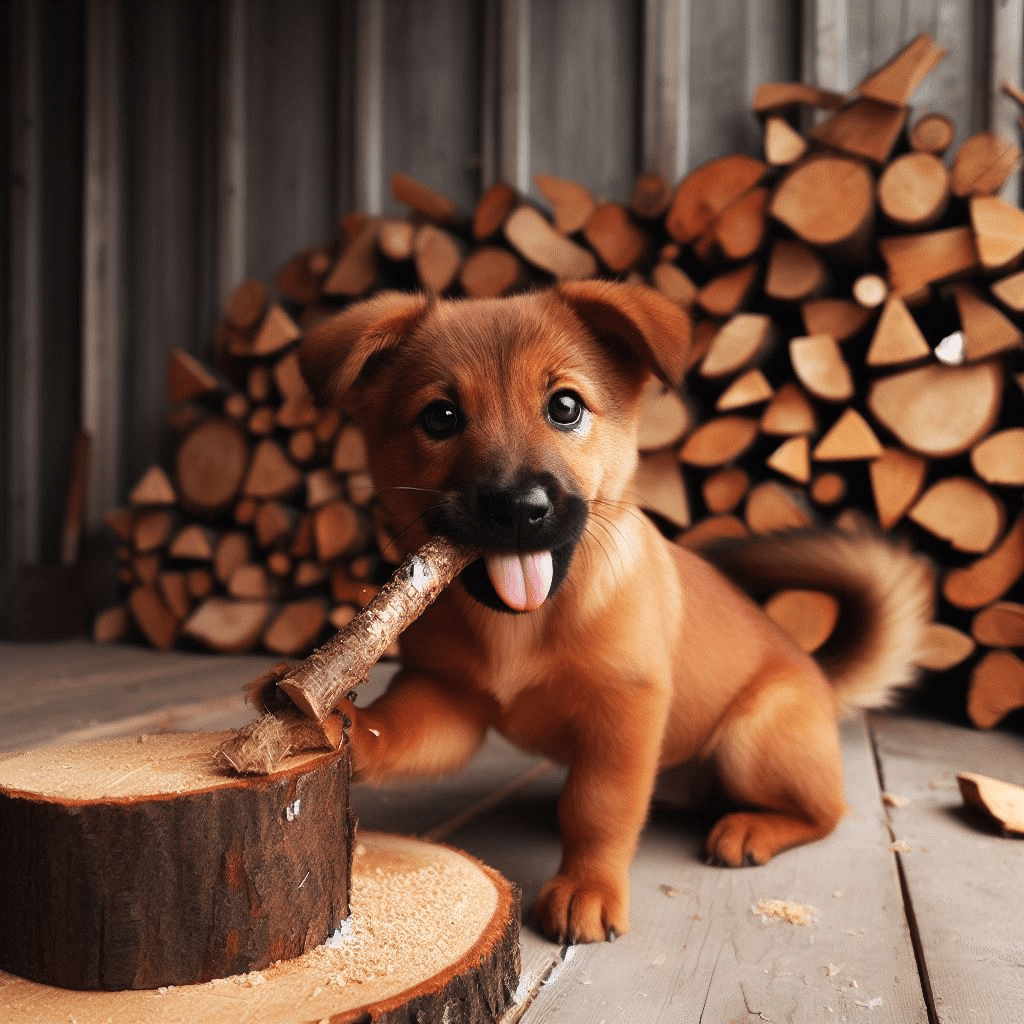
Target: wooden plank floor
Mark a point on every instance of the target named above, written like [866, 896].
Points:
[917, 906]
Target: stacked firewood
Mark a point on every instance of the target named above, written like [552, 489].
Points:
[857, 304]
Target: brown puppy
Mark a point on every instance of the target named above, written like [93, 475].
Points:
[583, 634]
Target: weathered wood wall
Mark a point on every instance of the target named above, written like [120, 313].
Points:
[158, 151]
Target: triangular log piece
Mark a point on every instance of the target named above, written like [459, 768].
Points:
[998, 231]
[274, 524]
[771, 507]
[986, 330]
[939, 411]
[112, 625]
[1003, 802]
[395, 239]
[152, 530]
[356, 269]
[983, 163]
[789, 412]
[932, 133]
[997, 688]
[999, 458]
[336, 529]
[187, 378]
[1000, 625]
[747, 389]
[531, 234]
[227, 626]
[718, 441]
[426, 201]
[492, 210]
[437, 258]
[783, 144]
[819, 365]
[895, 81]
[152, 617]
[792, 458]
[298, 408]
[664, 418]
[848, 439]
[807, 617]
[153, 488]
[650, 196]
[863, 128]
[490, 271]
[913, 190]
[828, 489]
[571, 203]
[302, 446]
[725, 488]
[277, 331]
[711, 530]
[194, 543]
[617, 239]
[841, 318]
[827, 201]
[739, 230]
[246, 304]
[990, 577]
[795, 271]
[961, 511]
[917, 260]
[658, 486]
[774, 96]
[943, 647]
[249, 582]
[1009, 291]
[173, 587]
[210, 464]
[349, 455]
[724, 294]
[296, 626]
[673, 282]
[897, 339]
[271, 473]
[897, 477]
[737, 344]
[708, 190]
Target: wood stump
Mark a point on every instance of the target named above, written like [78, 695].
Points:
[433, 936]
[138, 863]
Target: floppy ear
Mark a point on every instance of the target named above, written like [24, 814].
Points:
[335, 351]
[653, 326]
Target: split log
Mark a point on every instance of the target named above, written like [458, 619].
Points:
[395, 239]
[1000, 625]
[261, 866]
[336, 529]
[819, 365]
[939, 411]
[999, 458]
[943, 647]
[617, 240]
[828, 489]
[982, 164]
[897, 339]
[437, 258]
[806, 616]
[187, 378]
[153, 488]
[711, 530]
[426, 201]
[246, 304]
[739, 230]
[828, 202]
[838, 318]
[1001, 801]
[152, 530]
[863, 128]
[989, 578]
[917, 260]
[895, 81]
[227, 626]
[792, 458]
[708, 190]
[795, 271]
[492, 210]
[774, 96]
[724, 489]
[932, 133]
[651, 195]
[897, 477]
[356, 270]
[664, 418]
[271, 473]
[210, 464]
[277, 332]
[789, 412]
[572, 204]
[152, 617]
[783, 144]
[530, 234]
[998, 231]
[772, 507]
[670, 280]
[737, 344]
[112, 625]
[718, 441]
[986, 331]
[193, 542]
[727, 292]
[489, 272]
[173, 587]
[959, 510]
[849, 439]
[997, 688]
[296, 627]
[658, 487]
[750, 388]
[1009, 291]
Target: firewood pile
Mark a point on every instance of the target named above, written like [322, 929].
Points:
[858, 303]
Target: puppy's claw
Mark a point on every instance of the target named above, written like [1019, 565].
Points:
[611, 935]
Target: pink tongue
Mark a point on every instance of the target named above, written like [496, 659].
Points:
[522, 581]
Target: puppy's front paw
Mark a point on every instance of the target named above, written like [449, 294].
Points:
[582, 910]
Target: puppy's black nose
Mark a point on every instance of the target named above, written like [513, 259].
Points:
[518, 514]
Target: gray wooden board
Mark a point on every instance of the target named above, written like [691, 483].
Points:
[963, 880]
[702, 954]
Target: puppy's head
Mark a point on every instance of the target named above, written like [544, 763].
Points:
[502, 423]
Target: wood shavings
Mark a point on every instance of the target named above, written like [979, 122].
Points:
[900, 846]
[894, 800]
[785, 910]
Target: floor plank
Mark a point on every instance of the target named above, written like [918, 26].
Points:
[963, 880]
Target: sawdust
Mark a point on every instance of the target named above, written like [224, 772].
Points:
[785, 910]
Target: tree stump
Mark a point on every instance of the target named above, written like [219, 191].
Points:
[433, 936]
[138, 863]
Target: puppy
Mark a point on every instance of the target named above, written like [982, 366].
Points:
[583, 634]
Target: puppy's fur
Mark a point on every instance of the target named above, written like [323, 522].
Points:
[511, 424]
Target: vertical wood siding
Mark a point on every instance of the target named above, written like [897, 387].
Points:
[156, 153]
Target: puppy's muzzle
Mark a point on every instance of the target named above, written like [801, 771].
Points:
[520, 516]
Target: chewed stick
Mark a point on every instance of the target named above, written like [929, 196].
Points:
[318, 684]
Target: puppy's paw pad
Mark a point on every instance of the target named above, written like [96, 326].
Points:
[741, 840]
[574, 910]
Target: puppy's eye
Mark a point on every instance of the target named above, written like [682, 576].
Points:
[440, 419]
[565, 409]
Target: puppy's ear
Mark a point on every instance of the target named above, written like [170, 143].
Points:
[335, 351]
[654, 327]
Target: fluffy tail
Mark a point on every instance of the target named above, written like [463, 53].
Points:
[886, 599]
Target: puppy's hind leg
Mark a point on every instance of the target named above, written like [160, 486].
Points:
[778, 757]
